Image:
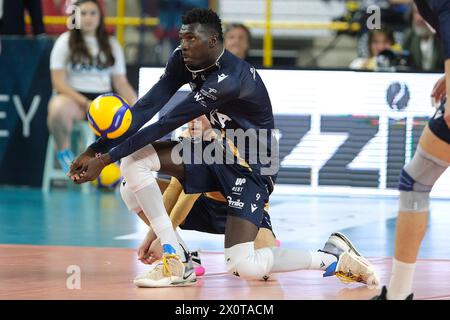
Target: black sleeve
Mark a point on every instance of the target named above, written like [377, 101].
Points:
[150, 104]
[212, 95]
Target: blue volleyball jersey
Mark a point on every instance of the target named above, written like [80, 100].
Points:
[437, 14]
[231, 94]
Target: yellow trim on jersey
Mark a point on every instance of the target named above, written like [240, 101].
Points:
[235, 151]
[217, 196]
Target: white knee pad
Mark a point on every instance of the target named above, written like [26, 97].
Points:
[417, 179]
[244, 261]
[137, 168]
[129, 198]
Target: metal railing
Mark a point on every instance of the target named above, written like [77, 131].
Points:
[121, 21]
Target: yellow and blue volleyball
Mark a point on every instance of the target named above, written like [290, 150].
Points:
[109, 116]
[109, 178]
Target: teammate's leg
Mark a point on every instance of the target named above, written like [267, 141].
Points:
[62, 113]
[417, 179]
[413, 212]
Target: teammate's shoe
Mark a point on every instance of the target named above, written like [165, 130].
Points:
[169, 272]
[195, 257]
[350, 265]
[383, 295]
[197, 263]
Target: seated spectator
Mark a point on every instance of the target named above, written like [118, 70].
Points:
[425, 50]
[237, 40]
[84, 63]
[378, 41]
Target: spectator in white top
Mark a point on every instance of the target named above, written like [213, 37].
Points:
[85, 62]
[378, 41]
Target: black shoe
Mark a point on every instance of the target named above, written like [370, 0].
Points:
[383, 295]
[195, 257]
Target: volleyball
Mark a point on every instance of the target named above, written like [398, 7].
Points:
[109, 116]
[109, 178]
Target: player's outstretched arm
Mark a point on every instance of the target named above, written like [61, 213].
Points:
[150, 104]
[193, 106]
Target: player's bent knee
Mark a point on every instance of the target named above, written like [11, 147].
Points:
[129, 198]
[244, 261]
[417, 178]
[138, 168]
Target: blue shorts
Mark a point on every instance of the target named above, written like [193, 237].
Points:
[247, 192]
[438, 126]
[209, 215]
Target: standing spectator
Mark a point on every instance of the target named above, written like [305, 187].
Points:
[237, 40]
[169, 12]
[424, 47]
[1, 14]
[84, 63]
[13, 20]
[378, 41]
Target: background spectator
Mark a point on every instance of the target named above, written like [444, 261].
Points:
[13, 20]
[237, 40]
[378, 40]
[424, 48]
[84, 63]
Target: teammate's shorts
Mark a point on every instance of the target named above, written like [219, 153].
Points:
[438, 126]
[246, 191]
[209, 215]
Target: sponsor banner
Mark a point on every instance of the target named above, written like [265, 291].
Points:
[343, 132]
[25, 89]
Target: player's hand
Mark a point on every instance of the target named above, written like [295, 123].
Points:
[439, 92]
[145, 245]
[78, 163]
[92, 168]
[154, 252]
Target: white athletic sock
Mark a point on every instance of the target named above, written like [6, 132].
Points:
[151, 202]
[299, 259]
[321, 260]
[401, 282]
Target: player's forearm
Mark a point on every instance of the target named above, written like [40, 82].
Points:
[153, 101]
[155, 131]
[142, 111]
